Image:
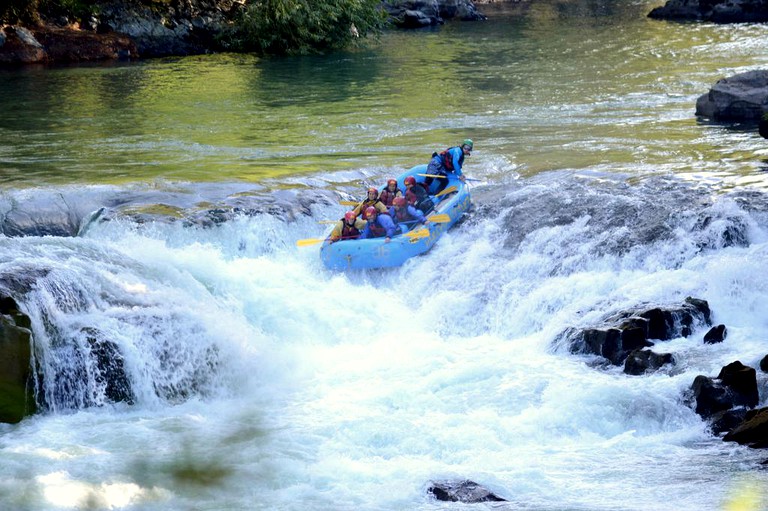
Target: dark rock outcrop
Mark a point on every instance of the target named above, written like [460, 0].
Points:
[626, 331]
[468, 492]
[741, 97]
[16, 396]
[735, 386]
[643, 361]
[753, 431]
[717, 11]
[422, 13]
[764, 364]
[44, 45]
[715, 335]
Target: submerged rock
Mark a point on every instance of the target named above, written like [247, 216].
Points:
[468, 492]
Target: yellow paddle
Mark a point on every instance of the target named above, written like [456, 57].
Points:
[438, 176]
[448, 190]
[417, 235]
[438, 219]
[309, 241]
[348, 203]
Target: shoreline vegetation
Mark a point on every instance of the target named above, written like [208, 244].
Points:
[67, 31]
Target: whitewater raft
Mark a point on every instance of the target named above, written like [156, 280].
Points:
[376, 253]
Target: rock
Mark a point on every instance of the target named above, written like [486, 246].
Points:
[16, 397]
[19, 46]
[468, 492]
[722, 11]
[741, 97]
[742, 380]
[422, 13]
[68, 45]
[736, 385]
[727, 420]
[630, 330]
[753, 431]
[764, 364]
[715, 335]
[642, 361]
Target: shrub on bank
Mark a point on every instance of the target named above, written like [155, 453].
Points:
[304, 26]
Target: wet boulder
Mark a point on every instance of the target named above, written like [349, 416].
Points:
[465, 491]
[715, 335]
[19, 46]
[639, 362]
[741, 97]
[727, 420]
[717, 11]
[423, 13]
[735, 386]
[753, 431]
[764, 364]
[623, 332]
[16, 395]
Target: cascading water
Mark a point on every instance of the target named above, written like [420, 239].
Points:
[222, 367]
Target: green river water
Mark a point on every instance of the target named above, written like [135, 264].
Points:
[585, 86]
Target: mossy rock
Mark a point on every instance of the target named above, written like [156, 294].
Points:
[16, 400]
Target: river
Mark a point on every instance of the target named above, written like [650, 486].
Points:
[260, 380]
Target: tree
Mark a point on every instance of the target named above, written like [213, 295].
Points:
[304, 26]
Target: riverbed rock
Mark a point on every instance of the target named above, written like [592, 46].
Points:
[625, 331]
[753, 431]
[716, 334]
[764, 364]
[422, 13]
[19, 46]
[16, 396]
[717, 11]
[741, 97]
[465, 491]
[640, 362]
[735, 386]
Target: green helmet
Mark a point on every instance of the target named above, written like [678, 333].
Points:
[468, 142]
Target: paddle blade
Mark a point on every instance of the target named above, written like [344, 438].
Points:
[437, 176]
[439, 219]
[416, 235]
[309, 241]
[448, 190]
[348, 203]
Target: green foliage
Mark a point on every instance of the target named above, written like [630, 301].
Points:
[74, 10]
[18, 11]
[305, 26]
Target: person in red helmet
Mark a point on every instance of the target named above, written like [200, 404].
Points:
[378, 225]
[348, 228]
[372, 199]
[403, 213]
[416, 195]
[389, 193]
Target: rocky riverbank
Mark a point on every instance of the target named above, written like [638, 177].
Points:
[127, 30]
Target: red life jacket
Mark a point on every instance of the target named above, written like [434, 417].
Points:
[402, 215]
[448, 159]
[415, 194]
[376, 229]
[387, 197]
[349, 232]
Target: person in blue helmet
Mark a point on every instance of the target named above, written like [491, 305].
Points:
[449, 161]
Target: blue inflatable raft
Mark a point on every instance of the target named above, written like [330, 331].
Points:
[376, 253]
